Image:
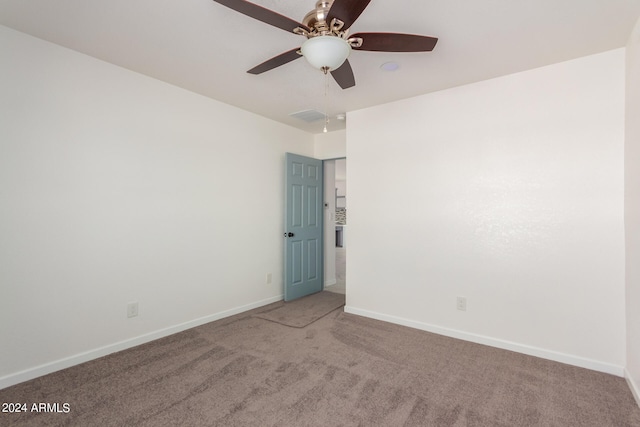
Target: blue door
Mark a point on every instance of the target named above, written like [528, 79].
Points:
[303, 227]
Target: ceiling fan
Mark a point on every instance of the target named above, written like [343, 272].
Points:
[328, 42]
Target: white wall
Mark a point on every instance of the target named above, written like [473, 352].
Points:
[632, 210]
[330, 145]
[115, 187]
[508, 192]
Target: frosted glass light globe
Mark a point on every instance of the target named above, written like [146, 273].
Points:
[328, 52]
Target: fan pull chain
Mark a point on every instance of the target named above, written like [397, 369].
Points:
[326, 100]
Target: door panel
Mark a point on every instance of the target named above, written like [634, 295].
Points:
[312, 254]
[297, 262]
[303, 265]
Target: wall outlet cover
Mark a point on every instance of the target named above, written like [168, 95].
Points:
[132, 309]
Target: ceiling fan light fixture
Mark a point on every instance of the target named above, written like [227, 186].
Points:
[326, 52]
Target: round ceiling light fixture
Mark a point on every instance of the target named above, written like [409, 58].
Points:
[389, 66]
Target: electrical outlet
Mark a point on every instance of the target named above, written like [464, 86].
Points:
[268, 278]
[132, 309]
[461, 304]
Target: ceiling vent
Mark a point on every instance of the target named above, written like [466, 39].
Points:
[308, 115]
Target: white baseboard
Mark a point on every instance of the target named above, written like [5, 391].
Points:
[635, 388]
[493, 342]
[77, 359]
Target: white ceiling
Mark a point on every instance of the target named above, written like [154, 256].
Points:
[205, 47]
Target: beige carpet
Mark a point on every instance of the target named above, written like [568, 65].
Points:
[342, 370]
[304, 311]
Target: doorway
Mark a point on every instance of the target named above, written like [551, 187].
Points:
[336, 236]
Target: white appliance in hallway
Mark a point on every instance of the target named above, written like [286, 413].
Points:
[341, 202]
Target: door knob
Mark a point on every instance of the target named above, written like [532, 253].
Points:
[289, 234]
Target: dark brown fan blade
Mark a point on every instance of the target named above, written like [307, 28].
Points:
[344, 76]
[276, 61]
[261, 14]
[395, 42]
[347, 11]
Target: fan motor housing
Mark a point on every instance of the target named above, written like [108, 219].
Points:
[317, 18]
